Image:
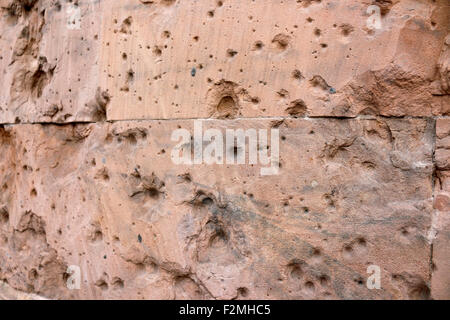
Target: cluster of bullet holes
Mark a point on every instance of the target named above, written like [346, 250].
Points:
[126, 25]
[354, 249]
[305, 278]
[280, 42]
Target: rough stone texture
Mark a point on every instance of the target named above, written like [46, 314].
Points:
[92, 90]
[350, 193]
[8, 293]
[49, 66]
[441, 223]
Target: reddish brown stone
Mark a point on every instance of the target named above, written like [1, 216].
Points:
[92, 91]
[349, 194]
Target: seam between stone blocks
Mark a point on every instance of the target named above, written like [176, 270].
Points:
[224, 120]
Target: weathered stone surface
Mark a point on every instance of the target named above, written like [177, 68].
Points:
[441, 218]
[86, 60]
[107, 197]
[8, 293]
[306, 53]
[49, 61]
[92, 91]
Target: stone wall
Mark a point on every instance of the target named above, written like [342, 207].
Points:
[93, 90]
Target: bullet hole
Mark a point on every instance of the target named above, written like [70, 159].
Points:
[297, 108]
[207, 201]
[296, 74]
[102, 284]
[346, 29]
[126, 24]
[362, 242]
[324, 280]
[258, 45]
[227, 108]
[231, 53]
[102, 174]
[211, 13]
[317, 32]
[157, 51]
[281, 41]
[243, 292]
[130, 75]
[124, 56]
[195, 38]
[318, 81]
[295, 270]
[255, 100]
[316, 252]
[117, 283]
[33, 274]
[96, 236]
